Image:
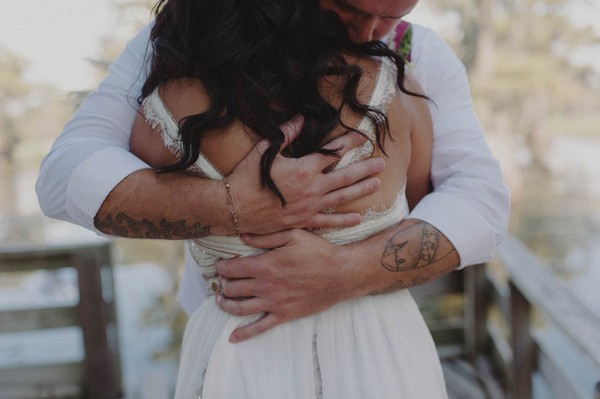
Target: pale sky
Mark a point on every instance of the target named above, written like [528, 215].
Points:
[56, 36]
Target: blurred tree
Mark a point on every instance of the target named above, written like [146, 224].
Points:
[518, 56]
[13, 102]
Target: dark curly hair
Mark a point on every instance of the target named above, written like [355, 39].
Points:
[261, 62]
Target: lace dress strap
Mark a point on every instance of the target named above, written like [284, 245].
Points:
[383, 93]
[160, 118]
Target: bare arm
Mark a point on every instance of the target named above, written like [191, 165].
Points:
[148, 204]
[143, 206]
[90, 178]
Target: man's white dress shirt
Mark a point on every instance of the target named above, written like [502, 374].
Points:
[469, 205]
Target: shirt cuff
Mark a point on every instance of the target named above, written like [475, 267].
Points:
[95, 178]
[468, 232]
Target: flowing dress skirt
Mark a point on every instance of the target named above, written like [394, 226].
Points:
[371, 347]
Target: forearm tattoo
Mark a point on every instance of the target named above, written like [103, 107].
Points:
[124, 226]
[421, 260]
[397, 258]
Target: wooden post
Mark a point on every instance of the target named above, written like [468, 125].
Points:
[476, 304]
[521, 344]
[109, 294]
[100, 370]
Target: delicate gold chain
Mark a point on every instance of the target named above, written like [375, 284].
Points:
[231, 207]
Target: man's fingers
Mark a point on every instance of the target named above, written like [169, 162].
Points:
[259, 149]
[339, 197]
[349, 193]
[291, 129]
[351, 174]
[266, 241]
[242, 267]
[237, 307]
[346, 142]
[261, 325]
[238, 288]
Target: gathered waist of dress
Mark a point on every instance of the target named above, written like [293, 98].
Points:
[207, 250]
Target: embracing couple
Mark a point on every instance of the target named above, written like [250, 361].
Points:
[320, 157]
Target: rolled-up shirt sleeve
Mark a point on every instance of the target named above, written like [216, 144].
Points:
[470, 203]
[91, 156]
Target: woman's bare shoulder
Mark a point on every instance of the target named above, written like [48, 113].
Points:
[184, 97]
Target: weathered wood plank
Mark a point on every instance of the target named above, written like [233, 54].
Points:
[12, 321]
[544, 291]
[500, 351]
[476, 308]
[12, 252]
[55, 391]
[521, 344]
[488, 377]
[461, 381]
[27, 265]
[44, 375]
[34, 257]
[556, 378]
[101, 370]
[95, 314]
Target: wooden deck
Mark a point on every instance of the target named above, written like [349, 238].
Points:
[98, 375]
[518, 321]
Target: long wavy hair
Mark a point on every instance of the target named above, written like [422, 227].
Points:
[261, 62]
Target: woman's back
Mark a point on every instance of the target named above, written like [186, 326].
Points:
[408, 120]
[259, 63]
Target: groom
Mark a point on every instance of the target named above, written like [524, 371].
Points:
[91, 179]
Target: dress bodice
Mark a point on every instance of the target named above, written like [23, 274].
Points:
[207, 249]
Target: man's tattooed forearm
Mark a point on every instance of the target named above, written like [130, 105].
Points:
[418, 254]
[399, 256]
[432, 273]
[124, 226]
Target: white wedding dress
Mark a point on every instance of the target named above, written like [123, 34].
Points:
[376, 346]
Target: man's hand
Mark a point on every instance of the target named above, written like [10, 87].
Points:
[176, 206]
[287, 283]
[305, 274]
[305, 187]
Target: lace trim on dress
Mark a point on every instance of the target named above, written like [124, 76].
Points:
[384, 92]
[159, 117]
[371, 217]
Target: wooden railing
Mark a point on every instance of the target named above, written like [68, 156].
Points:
[549, 330]
[516, 319]
[520, 320]
[99, 374]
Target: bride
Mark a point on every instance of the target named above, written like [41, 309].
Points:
[227, 74]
